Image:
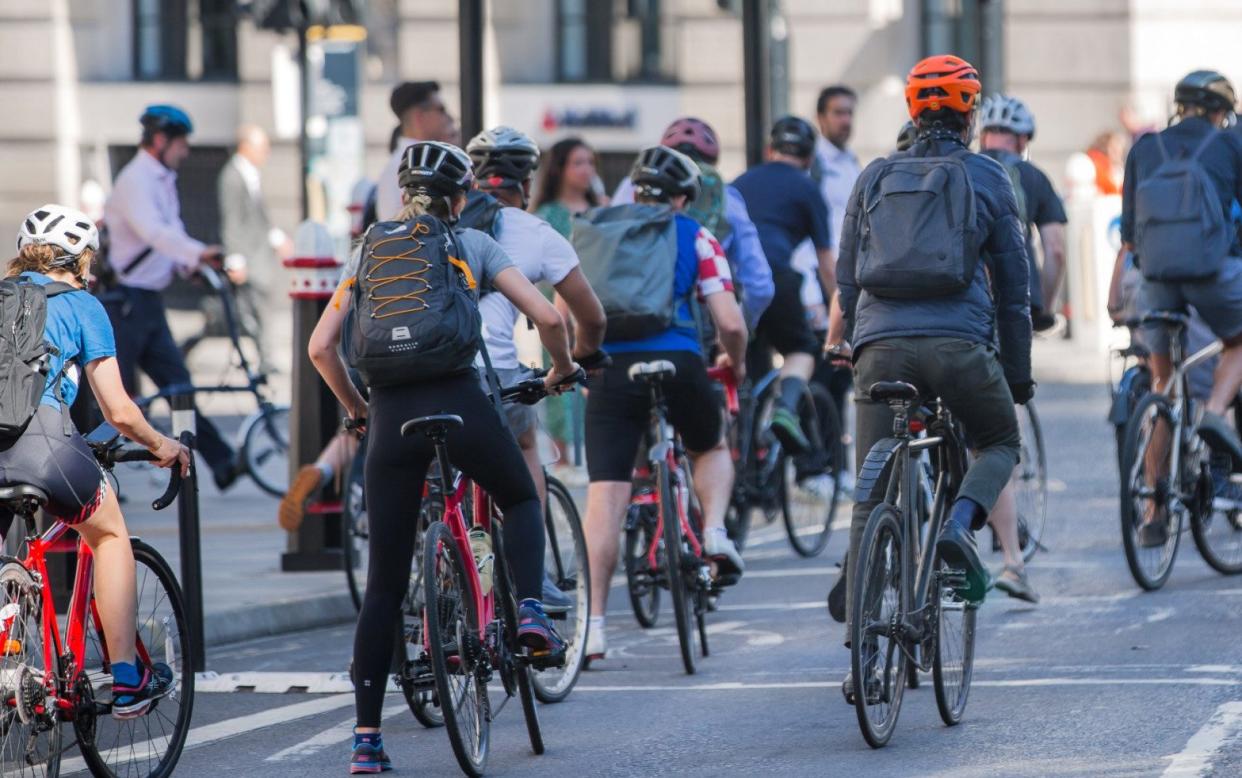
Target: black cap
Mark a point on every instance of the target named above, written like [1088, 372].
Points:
[1207, 88]
[411, 93]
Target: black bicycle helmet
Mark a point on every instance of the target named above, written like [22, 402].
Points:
[435, 168]
[1207, 89]
[908, 135]
[503, 157]
[793, 136]
[661, 173]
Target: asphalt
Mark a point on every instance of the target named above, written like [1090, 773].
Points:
[1099, 679]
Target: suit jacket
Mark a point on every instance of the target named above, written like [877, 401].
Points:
[245, 228]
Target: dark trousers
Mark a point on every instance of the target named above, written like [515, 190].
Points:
[144, 341]
[967, 377]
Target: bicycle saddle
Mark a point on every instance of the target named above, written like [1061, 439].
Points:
[1170, 318]
[883, 391]
[18, 496]
[436, 426]
[656, 370]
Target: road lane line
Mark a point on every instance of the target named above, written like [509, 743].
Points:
[277, 682]
[1196, 758]
[331, 736]
[999, 683]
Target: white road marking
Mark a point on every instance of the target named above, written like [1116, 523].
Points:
[791, 572]
[270, 682]
[1196, 758]
[998, 683]
[331, 736]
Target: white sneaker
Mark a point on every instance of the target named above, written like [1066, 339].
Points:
[718, 547]
[597, 643]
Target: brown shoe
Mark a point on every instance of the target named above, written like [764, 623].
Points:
[293, 504]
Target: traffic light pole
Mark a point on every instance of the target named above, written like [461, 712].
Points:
[755, 74]
[470, 23]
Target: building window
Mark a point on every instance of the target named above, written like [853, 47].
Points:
[179, 40]
[584, 37]
[605, 41]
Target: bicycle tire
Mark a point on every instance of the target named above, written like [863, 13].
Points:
[355, 531]
[512, 653]
[1218, 536]
[820, 419]
[1031, 476]
[449, 614]
[683, 606]
[22, 725]
[554, 685]
[101, 748]
[700, 615]
[951, 677]
[640, 582]
[265, 449]
[422, 703]
[881, 541]
[1150, 567]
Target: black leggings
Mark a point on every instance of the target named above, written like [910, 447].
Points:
[396, 468]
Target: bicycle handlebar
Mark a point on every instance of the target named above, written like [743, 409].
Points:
[532, 390]
[110, 455]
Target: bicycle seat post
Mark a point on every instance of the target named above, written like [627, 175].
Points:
[901, 417]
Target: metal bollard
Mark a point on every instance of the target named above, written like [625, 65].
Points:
[188, 531]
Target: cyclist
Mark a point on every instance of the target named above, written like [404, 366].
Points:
[944, 344]
[56, 245]
[722, 211]
[1008, 127]
[1204, 103]
[436, 177]
[618, 410]
[787, 208]
[148, 247]
[504, 161]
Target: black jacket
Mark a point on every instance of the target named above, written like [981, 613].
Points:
[995, 310]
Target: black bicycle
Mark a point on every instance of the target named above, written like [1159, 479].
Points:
[906, 614]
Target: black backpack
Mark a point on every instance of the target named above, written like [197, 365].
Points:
[414, 316]
[25, 355]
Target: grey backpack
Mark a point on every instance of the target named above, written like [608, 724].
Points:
[1180, 229]
[628, 253]
[25, 356]
[918, 228]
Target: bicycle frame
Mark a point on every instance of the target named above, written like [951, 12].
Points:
[455, 492]
[667, 448]
[1177, 390]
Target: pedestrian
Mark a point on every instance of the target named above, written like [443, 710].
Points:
[252, 246]
[423, 116]
[1108, 153]
[149, 246]
[568, 185]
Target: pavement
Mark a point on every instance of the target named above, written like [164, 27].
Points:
[1099, 679]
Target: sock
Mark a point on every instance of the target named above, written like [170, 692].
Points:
[126, 674]
[719, 530]
[596, 623]
[327, 470]
[374, 739]
[969, 514]
[791, 392]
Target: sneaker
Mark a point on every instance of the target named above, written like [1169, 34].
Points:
[875, 694]
[293, 504]
[1218, 433]
[956, 546]
[597, 644]
[226, 475]
[536, 633]
[836, 596]
[788, 430]
[718, 548]
[1154, 533]
[369, 759]
[1223, 486]
[555, 602]
[1019, 587]
[130, 702]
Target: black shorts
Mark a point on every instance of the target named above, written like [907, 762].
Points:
[63, 466]
[619, 410]
[784, 325]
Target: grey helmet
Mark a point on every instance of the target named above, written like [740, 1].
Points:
[1001, 112]
[1206, 88]
[503, 156]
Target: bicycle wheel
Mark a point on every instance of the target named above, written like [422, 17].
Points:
[953, 662]
[414, 674]
[877, 658]
[149, 745]
[566, 561]
[29, 727]
[515, 665]
[1218, 535]
[265, 449]
[675, 563]
[356, 531]
[1030, 479]
[1146, 488]
[811, 489]
[640, 578]
[457, 656]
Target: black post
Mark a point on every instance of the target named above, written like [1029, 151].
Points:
[755, 66]
[470, 66]
[305, 101]
[189, 533]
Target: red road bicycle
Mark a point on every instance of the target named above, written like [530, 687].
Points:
[46, 681]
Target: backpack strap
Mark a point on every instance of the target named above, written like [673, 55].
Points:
[489, 372]
[1207, 141]
[58, 288]
[1164, 150]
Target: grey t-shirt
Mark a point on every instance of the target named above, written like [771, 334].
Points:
[483, 255]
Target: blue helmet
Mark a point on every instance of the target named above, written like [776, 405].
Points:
[168, 119]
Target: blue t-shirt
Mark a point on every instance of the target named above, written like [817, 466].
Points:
[677, 337]
[78, 327]
[786, 207]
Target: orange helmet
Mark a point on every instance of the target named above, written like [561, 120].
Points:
[942, 81]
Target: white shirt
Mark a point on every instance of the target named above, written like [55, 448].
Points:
[143, 212]
[839, 171]
[387, 190]
[542, 255]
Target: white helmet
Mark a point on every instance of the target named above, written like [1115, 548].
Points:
[1006, 113]
[67, 229]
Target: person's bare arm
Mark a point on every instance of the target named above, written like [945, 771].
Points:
[552, 331]
[586, 311]
[828, 272]
[1052, 239]
[104, 376]
[323, 353]
[730, 329]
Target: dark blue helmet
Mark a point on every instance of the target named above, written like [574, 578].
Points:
[166, 119]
